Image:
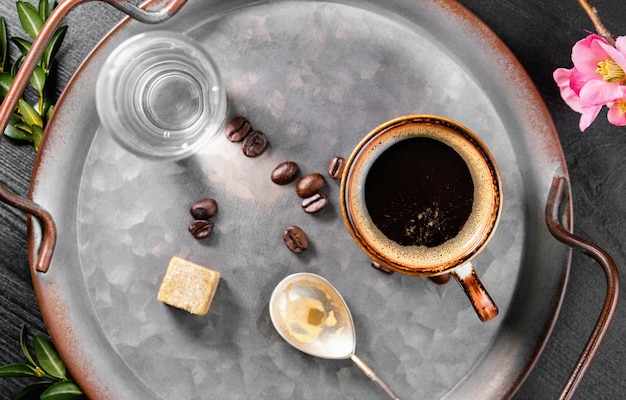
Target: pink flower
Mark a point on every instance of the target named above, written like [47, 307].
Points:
[617, 113]
[597, 79]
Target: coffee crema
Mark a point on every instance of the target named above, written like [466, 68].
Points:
[423, 196]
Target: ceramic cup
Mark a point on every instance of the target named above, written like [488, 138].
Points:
[422, 195]
[160, 95]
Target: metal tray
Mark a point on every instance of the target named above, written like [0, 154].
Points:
[315, 76]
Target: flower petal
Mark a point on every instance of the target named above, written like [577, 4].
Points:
[588, 116]
[620, 44]
[617, 114]
[562, 78]
[615, 54]
[587, 52]
[598, 93]
[577, 79]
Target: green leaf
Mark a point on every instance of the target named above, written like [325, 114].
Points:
[52, 4]
[17, 371]
[53, 47]
[30, 18]
[16, 65]
[15, 133]
[23, 341]
[44, 9]
[30, 115]
[47, 110]
[46, 354]
[22, 44]
[15, 119]
[38, 79]
[3, 43]
[37, 137]
[24, 127]
[33, 391]
[50, 112]
[64, 390]
[6, 80]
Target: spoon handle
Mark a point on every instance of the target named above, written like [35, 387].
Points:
[372, 375]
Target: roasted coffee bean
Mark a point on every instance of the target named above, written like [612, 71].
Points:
[254, 144]
[336, 166]
[203, 208]
[295, 239]
[315, 203]
[285, 173]
[238, 129]
[381, 267]
[441, 279]
[309, 184]
[201, 229]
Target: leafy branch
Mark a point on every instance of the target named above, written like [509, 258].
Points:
[52, 380]
[28, 121]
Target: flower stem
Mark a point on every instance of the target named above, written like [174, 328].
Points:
[597, 23]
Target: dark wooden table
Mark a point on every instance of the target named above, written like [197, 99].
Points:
[540, 33]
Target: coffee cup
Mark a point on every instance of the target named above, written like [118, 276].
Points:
[422, 195]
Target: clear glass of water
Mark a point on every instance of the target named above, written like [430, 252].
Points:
[160, 95]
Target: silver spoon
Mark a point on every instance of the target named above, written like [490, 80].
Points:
[310, 314]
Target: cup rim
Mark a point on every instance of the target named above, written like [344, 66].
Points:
[434, 268]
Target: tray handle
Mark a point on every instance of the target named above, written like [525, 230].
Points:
[10, 101]
[556, 199]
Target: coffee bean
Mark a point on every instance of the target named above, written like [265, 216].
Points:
[295, 239]
[201, 229]
[336, 166]
[309, 184]
[381, 267]
[285, 173]
[315, 203]
[254, 144]
[203, 208]
[441, 279]
[237, 129]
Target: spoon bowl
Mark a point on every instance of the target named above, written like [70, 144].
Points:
[310, 314]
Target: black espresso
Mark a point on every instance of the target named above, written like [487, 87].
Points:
[419, 192]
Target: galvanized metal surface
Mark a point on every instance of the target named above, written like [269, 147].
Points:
[531, 178]
[315, 77]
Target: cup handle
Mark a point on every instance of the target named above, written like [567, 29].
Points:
[467, 277]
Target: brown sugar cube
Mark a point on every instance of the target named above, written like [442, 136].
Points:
[188, 286]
